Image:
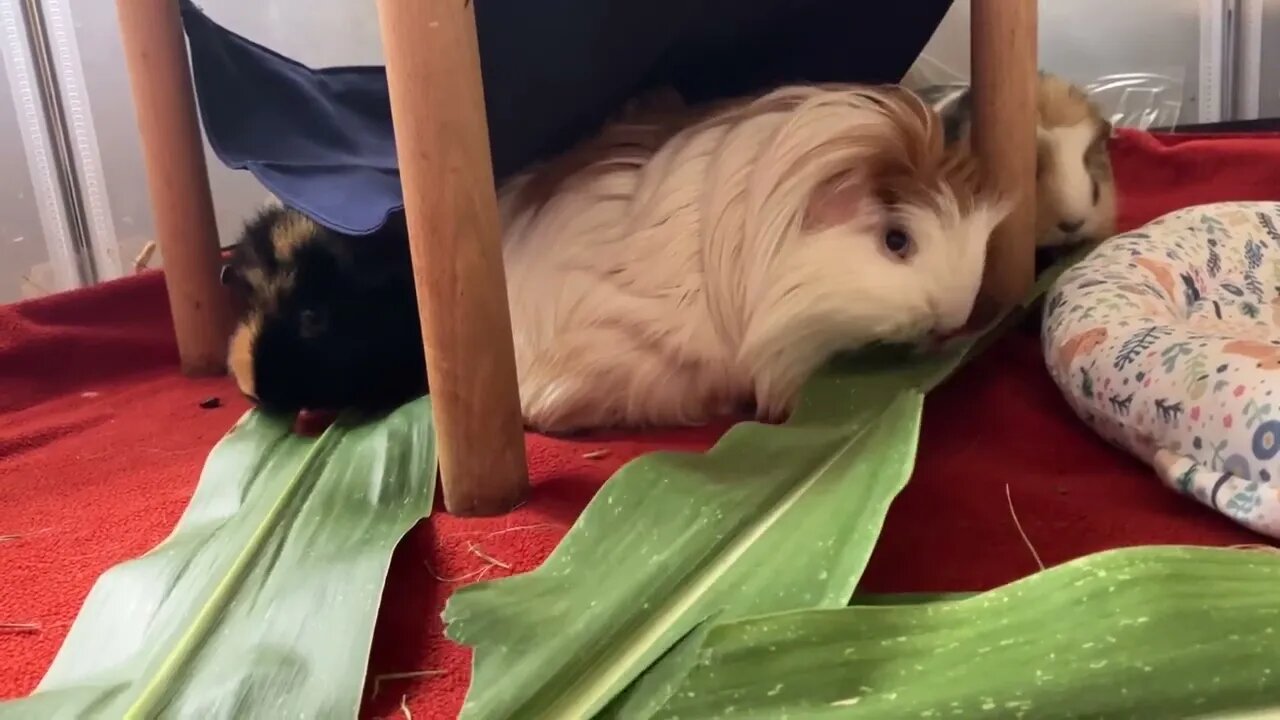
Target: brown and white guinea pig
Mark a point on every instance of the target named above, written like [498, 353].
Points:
[1075, 187]
[679, 266]
[667, 272]
[325, 320]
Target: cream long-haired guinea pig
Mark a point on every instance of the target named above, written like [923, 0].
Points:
[1075, 188]
[676, 267]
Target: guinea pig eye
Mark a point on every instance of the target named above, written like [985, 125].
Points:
[310, 323]
[897, 242]
[1097, 191]
[230, 277]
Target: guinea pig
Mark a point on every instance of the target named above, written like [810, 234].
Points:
[326, 321]
[1075, 187]
[681, 265]
[667, 272]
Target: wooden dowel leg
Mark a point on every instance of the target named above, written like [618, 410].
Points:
[1004, 68]
[159, 72]
[442, 142]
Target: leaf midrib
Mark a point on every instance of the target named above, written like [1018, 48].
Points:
[156, 689]
[583, 698]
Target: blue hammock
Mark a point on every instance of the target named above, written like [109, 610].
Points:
[321, 140]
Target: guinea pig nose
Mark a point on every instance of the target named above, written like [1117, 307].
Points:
[1070, 227]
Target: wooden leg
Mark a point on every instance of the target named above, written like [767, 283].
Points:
[1004, 68]
[442, 142]
[156, 53]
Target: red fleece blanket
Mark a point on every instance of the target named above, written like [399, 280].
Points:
[101, 444]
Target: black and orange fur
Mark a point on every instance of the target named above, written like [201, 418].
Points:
[325, 320]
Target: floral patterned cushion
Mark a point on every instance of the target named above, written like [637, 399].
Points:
[1166, 341]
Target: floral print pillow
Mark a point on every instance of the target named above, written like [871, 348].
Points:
[1166, 341]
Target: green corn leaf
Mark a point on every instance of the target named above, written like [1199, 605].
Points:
[676, 542]
[889, 367]
[1150, 632]
[262, 601]
[770, 519]
[645, 697]
[674, 538]
[1269, 712]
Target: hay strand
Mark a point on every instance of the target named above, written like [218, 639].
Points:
[474, 574]
[143, 259]
[1026, 540]
[475, 550]
[392, 677]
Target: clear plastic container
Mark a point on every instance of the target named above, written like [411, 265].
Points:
[1139, 100]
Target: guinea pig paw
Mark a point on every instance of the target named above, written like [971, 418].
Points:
[774, 407]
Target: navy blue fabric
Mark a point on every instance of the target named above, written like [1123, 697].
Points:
[321, 139]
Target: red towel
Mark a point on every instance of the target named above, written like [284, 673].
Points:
[101, 444]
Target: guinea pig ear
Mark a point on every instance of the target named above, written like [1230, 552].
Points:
[837, 201]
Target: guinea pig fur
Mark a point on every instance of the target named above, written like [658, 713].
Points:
[1075, 187]
[672, 271]
[325, 320]
[683, 264]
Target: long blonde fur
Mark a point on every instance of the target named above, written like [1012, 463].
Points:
[685, 264]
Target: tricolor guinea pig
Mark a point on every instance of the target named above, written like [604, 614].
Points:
[683, 264]
[1075, 188]
[326, 321]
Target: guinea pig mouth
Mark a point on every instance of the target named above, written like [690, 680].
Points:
[320, 405]
[272, 408]
[979, 320]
